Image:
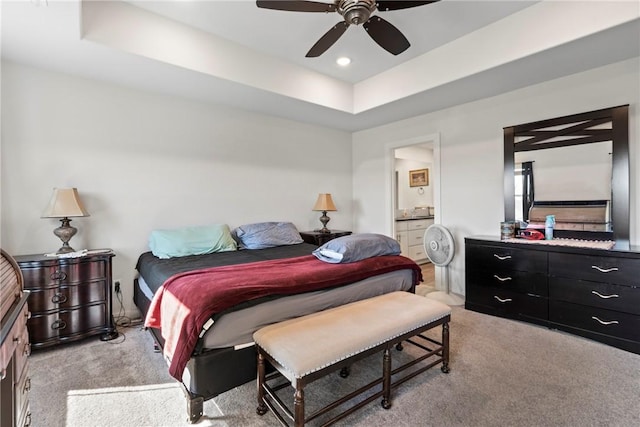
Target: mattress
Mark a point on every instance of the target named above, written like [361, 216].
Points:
[234, 328]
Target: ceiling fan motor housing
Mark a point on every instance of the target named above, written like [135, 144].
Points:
[356, 12]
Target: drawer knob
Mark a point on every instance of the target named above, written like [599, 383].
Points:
[602, 322]
[502, 257]
[605, 296]
[604, 270]
[502, 279]
[59, 298]
[58, 275]
[502, 300]
[59, 324]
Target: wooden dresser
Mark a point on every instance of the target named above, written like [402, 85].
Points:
[589, 292]
[14, 346]
[70, 297]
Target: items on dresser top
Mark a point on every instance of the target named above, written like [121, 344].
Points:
[14, 346]
[70, 297]
[589, 292]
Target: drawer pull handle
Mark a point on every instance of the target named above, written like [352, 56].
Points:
[27, 385]
[604, 270]
[27, 350]
[502, 300]
[605, 296]
[59, 298]
[58, 275]
[503, 257]
[502, 279]
[58, 324]
[611, 322]
[27, 421]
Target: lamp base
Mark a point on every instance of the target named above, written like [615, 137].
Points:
[324, 219]
[65, 232]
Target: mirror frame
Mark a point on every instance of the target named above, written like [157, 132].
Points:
[570, 130]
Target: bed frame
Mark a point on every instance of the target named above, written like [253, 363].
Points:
[208, 370]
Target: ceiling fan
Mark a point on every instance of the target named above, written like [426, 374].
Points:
[354, 12]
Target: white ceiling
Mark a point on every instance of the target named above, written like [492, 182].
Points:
[233, 53]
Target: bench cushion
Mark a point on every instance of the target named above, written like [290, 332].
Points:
[307, 344]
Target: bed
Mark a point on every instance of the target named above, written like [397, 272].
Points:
[224, 356]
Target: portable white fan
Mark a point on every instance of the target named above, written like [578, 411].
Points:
[440, 247]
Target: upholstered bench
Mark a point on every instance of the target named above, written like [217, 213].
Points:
[309, 347]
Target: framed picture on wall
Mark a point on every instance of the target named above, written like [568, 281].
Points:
[418, 177]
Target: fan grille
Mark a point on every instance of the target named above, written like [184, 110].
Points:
[438, 244]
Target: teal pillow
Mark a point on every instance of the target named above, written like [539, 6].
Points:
[197, 240]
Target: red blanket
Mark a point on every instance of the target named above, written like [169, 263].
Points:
[186, 301]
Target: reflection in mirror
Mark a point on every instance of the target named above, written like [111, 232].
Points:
[573, 173]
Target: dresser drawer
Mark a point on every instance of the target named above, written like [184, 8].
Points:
[54, 275]
[505, 258]
[416, 237]
[591, 319]
[50, 299]
[595, 294]
[419, 224]
[66, 323]
[518, 281]
[507, 303]
[22, 388]
[595, 268]
[417, 253]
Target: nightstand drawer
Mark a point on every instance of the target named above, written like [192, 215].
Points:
[67, 323]
[54, 275]
[67, 296]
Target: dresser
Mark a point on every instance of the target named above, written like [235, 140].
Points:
[70, 297]
[594, 293]
[14, 347]
[410, 235]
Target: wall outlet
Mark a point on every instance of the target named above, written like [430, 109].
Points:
[117, 286]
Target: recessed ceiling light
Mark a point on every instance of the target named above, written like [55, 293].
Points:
[343, 61]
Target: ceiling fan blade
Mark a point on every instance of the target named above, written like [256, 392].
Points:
[384, 6]
[386, 35]
[297, 5]
[329, 38]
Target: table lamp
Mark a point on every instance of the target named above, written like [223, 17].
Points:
[65, 203]
[324, 204]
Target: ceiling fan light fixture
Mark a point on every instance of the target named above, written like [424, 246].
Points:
[343, 61]
[356, 12]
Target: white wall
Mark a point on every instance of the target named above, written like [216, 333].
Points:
[471, 151]
[142, 161]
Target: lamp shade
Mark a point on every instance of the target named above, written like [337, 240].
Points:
[64, 203]
[324, 203]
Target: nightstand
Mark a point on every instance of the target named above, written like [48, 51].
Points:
[70, 298]
[318, 238]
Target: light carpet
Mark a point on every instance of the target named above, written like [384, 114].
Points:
[503, 373]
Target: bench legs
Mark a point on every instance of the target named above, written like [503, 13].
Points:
[298, 407]
[262, 407]
[445, 348]
[386, 379]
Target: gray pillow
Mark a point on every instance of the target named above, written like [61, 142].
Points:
[356, 247]
[262, 235]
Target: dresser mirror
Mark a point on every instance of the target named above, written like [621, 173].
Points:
[581, 158]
